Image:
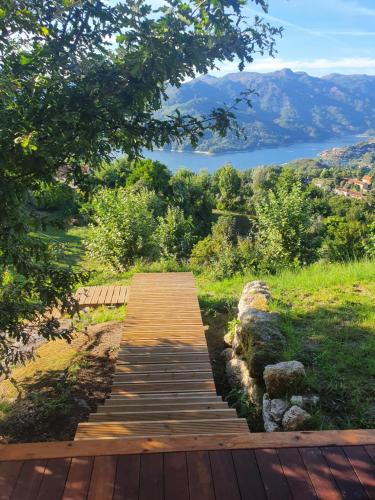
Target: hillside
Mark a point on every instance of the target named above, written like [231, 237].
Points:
[288, 107]
[362, 153]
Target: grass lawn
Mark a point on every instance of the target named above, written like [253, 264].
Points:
[326, 312]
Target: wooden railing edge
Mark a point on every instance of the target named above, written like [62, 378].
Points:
[101, 447]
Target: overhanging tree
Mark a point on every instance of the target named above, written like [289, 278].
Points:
[80, 79]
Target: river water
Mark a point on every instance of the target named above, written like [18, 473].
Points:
[249, 159]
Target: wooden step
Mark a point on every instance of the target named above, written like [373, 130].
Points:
[155, 387]
[148, 400]
[166, 342]
[163, 350]
[127, 406]
[125, 416]
[155, 377]
[135, 359]
[115, 430]
[163, 368]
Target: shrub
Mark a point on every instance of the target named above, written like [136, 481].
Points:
[122, 228]
[56, 196]
[222, 253]
[285, 222]
[174, 234]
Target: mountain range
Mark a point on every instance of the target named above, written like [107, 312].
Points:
[288, 107]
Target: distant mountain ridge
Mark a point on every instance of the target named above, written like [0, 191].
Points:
[289, 107]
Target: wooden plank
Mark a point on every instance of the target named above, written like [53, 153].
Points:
[29, 480]
[115, 429]
[151, 478]
[109, 295]
[78, 481]
[363, 466]
[96, 295]
[175, 477]
[224, 475]
[155, 406]
[54, 478]
[150, 387]
[248, 476]
[103, 478]
[343, 473]
[102, 295]
[272, 475]
[163, 368]
[296, 474]
[115, 295]
[199, 476]
[127, 478]
[163, 359]
[370, 448]
[87, 301]
[9, 472]
[320, 474]
[169, 414]
[29, 451]
[155, 377]
[121, 295]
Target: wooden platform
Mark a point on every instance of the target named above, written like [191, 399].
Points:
[163, 383]
[92, 296]
[280, 466]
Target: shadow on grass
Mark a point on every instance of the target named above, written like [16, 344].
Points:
[339, 355]
[52, 403]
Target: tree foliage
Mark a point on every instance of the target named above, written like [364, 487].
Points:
[122, 228]
[81, 79]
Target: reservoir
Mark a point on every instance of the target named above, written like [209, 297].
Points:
[249, 159]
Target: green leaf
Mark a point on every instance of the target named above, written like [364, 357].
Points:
[2, 13]
[25, 59]
[120, 38]
[44, 30]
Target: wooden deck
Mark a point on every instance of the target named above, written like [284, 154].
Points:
[324, 465]
[93, 296]
[163, 383]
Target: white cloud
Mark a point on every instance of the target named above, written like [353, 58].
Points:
[317, 66]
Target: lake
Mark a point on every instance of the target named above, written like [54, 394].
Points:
[249, 159]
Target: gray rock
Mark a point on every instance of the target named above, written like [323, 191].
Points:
[304, 401]
[284, 378]
[264, 344]
[238, 341]
[295, 419]
[228, 354]
[277, 409]
[237, 373]
[228, 339]
[269, 423]
[254, 392]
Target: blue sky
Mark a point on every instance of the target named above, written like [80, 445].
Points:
[320, 37]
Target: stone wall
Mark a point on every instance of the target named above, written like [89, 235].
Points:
[253, 363]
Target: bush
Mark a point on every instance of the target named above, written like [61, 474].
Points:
[122, 228]
[285, 229]
[174, 234]
[222, 253]
[56, 196]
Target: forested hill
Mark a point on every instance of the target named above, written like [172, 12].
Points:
[289, 107]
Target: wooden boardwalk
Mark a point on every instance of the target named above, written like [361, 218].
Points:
[92, 296]
[330, 465]
[163, 383]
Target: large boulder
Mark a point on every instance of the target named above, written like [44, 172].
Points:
[305, 401]
[237, 373]
[277, 409]
[254, 295]
[284, 378]
[295, 419]
[264, 344]
[270, 425]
